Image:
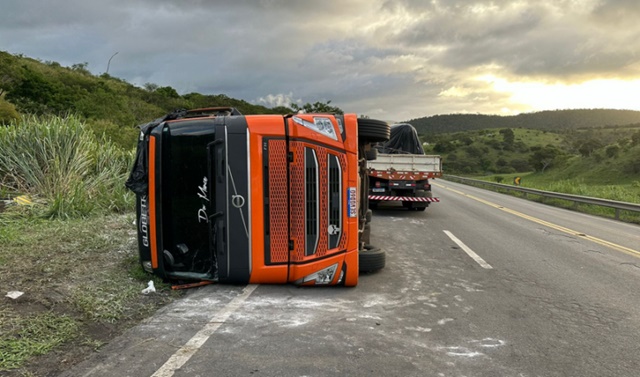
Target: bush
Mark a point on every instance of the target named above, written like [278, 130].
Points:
[8, 112]
[59, 161]
[612, 151]
[123, 137]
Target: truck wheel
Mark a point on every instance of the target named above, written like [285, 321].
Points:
[423, 194]
[421, 209]
[372, 130]
[371, 259]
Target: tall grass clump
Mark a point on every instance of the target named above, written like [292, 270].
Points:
[61, 163]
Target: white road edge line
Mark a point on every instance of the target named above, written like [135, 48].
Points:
[178, 359]
[467, 250]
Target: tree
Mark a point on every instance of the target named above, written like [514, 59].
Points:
[612, 151]
[8, 112]
[81, 68]
[520, 165]
[508, 136]
[443, 146]
[635, 138]
[588, 146]
[501, 162]
[150, 87]
[318, 107]
[33, 93]
[167, 91]
[543, 157]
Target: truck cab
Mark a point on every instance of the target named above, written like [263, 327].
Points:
[238, 199]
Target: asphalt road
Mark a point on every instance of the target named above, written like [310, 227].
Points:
[480, 284]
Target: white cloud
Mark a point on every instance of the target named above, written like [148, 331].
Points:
[274, 100]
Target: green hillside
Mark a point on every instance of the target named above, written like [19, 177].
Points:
[109, 104]
[556, 120]
[506, 151]
[597, 144]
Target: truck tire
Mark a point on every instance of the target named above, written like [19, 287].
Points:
[372, 130]
[371, 259]
[421, 206]
[423, 194]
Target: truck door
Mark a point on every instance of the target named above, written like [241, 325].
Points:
[317, 187]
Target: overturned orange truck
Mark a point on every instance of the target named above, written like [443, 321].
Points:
[230, 198]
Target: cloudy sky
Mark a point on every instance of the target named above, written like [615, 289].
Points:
[388, 59]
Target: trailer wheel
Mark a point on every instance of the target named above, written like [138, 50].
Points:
[371, 259]
[372, 130]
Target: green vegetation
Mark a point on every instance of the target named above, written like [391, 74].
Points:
[109, 104]
[64, 166]
[38, 335]
[597, 162]
[610, 155]
[67, 140]
[556, 120]
[628, 191]
[80, 278]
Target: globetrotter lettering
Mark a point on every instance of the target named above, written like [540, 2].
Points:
[144, 220]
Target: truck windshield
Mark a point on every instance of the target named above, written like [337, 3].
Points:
[188, 201]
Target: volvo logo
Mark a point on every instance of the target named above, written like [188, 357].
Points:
[237, 201]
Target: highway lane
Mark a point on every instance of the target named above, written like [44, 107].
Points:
[553, 304]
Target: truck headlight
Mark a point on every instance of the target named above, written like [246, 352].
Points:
[322, 125]
[322, 277]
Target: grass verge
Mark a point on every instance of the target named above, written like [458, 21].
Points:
[82, 286]
[628, 191]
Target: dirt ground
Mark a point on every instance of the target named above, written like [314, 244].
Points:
[81, 285]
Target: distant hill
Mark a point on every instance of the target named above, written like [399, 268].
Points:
[556, 120]
[32, 86]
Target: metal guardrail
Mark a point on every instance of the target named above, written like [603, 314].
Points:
[618, 206]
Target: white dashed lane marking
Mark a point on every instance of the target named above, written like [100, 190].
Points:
[468, 250]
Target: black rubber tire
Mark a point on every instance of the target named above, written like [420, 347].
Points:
[421, 209]
[371, 154]
[371, 259]
[373, 130]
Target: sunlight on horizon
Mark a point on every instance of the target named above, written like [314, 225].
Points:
[593, 94]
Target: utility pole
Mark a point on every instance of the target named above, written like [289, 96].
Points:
[109, 63]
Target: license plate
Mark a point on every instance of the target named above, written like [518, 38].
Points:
[377, 189]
